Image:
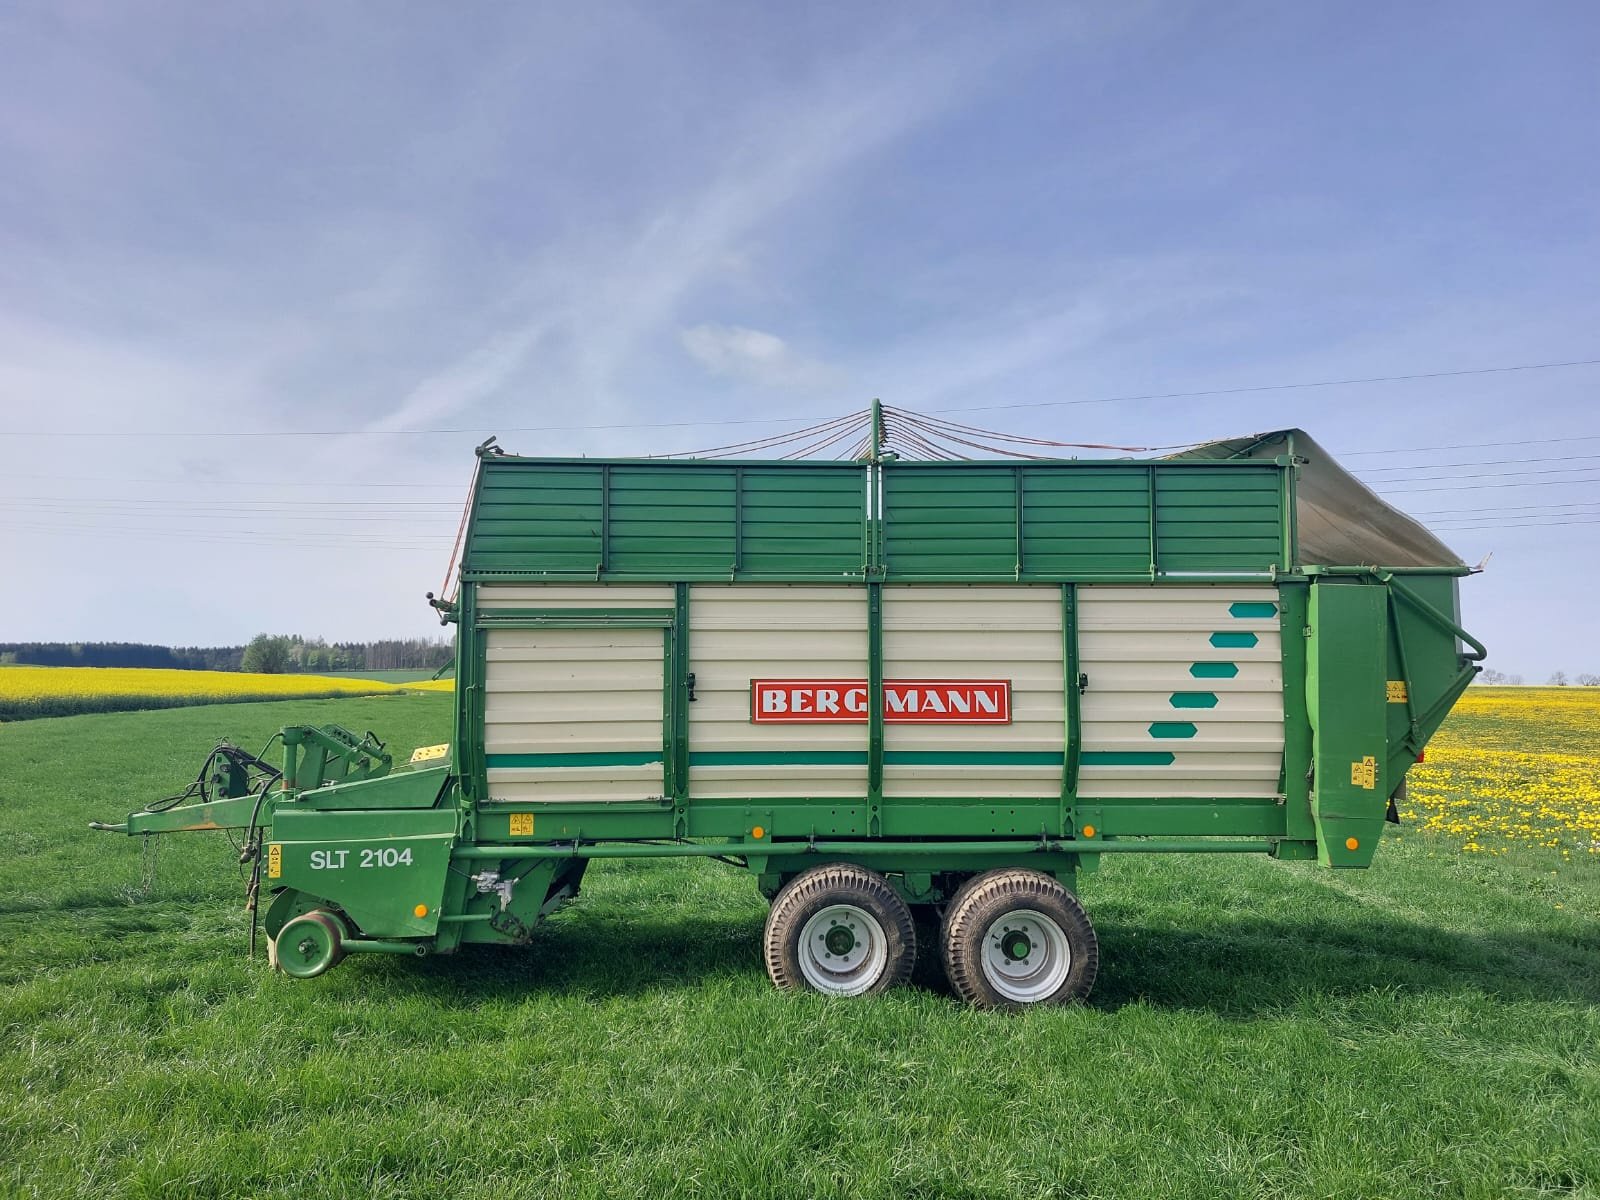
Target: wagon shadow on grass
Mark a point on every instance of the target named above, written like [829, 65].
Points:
[1242, 967]
[1251, 965]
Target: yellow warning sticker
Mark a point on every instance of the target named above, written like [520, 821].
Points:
[1364, 774]
[428, 753]
[274, 860]
[521, 824]
[1397, 691]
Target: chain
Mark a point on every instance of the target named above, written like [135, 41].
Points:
[511, 925]
[149, 853]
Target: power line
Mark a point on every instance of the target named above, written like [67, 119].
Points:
[1490, 462]
[1512, 525]
[1489, 474]
[1281, 387]
[276, 504]
[1582, 437]
[1515, 509]
[640, 425]
[233, 483]
[1472, 487]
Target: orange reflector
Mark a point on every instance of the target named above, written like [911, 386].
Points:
[421, 910]
[1422, 756]
[1351, 844]
[758, 833]
[1088, 831]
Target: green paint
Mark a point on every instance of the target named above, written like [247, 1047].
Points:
[1214, 670]
[898, 758]
[982, 758]
[598, 758]
[1128, 758]
[1194, 699]
[1248, 609]
[1242, 641]
[777, 758]
[1172, 729]
[1050, 522]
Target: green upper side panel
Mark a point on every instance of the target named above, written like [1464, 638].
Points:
[1080, 520]
[693, 520]
[667, 521]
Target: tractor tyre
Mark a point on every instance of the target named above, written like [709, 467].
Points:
[841, 930]
[1014, 938]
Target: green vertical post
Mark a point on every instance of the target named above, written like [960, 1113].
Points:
[678, 665]
[1288, 514]
[1347, 708]
[1155, 535]
[471, 666]
[1017, 476]
[1072, 734]
[1295, 782]
[874, 695]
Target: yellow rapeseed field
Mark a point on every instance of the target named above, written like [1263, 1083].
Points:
[1513, 765]
[60, 691]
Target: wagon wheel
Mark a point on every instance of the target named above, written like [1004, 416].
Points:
[1016, 938]
[840, 930]
[309, 944]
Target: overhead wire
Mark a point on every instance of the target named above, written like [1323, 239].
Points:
[1474, 487]
[1489, 462]
[830, 439]
[726, 421]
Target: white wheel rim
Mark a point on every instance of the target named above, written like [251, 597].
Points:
[1026, 956]
[843, 951]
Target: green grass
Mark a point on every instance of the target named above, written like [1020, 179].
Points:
[394, 675]
[1427, 1028]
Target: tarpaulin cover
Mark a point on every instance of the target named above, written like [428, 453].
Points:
[1342, 521]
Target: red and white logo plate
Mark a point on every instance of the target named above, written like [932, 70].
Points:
[905, 701]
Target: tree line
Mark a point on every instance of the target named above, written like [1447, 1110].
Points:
[269, 653]
[1557, 679]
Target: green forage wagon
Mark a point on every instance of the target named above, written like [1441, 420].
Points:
[913, 699]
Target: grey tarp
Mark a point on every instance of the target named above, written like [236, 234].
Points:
[1343, 522]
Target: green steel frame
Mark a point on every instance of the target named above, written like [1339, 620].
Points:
[475, 869]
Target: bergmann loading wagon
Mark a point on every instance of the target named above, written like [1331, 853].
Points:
[913, 699]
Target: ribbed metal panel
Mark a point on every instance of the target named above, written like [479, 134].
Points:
[1223, 519]
[493, 597]
[670, 521]
[738, 634]
[805, 522]
[1185, 694]
[1070, 521]
[977, 632]
[573, 714]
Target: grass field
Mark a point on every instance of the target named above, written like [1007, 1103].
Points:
[397, 675]
[28, 692]
[1427, 1028]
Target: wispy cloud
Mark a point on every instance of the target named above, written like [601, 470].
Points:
[754, 356]
[587, 308]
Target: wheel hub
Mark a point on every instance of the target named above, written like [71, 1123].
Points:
[843, 950]
[840, 940]
[1026, 956]
[1014, 944]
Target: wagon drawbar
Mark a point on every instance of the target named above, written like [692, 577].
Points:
[912, 698]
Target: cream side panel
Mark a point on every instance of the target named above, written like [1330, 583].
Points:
[574, 785]
[1138, 646]
[741, 633]
[574, 692]
[977, 632]
[573, 595]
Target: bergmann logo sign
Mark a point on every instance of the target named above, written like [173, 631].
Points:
[905, 701]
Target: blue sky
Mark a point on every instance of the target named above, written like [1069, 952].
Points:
[250, 219]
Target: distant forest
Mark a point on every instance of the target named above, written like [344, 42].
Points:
[275, 653]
